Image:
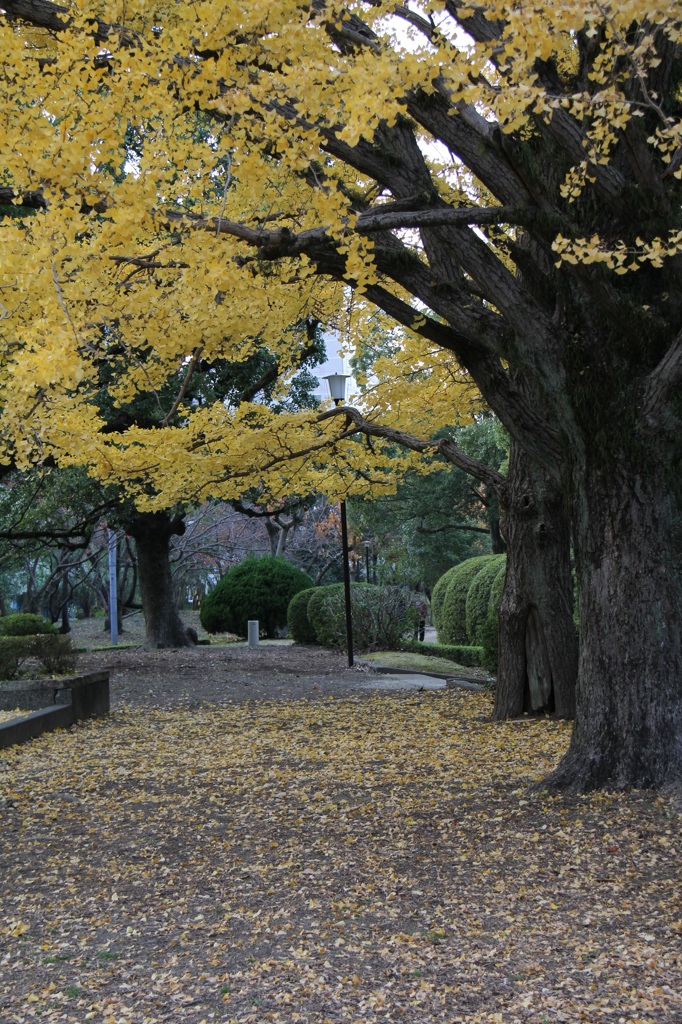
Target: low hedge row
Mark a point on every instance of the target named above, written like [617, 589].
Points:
[488, 630]
[478, 597]
[53, 651]
[470, 657]
[453, 619]
[438, 596]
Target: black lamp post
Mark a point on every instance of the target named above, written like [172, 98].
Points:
[337, 389]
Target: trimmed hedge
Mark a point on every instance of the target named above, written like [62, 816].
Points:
[382, 616]
[258, 588]
[25, 624]
[453, 628]
[488, 631]
[300, 628]
[438, 595]
[54, 652]
[478, 596]
[470, 657]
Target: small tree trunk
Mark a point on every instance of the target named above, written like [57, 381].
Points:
[628, 728]
[538, 647]
[273, 532]
[152, 532]
[66, 592]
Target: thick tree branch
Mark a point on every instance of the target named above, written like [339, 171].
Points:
[380, 218]
[40, 13]
[44, 14]
[522, 419]
[268, 513]
[440, 446]
[451, 526]
[473, 331]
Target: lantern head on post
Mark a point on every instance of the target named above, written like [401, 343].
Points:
[337, 386]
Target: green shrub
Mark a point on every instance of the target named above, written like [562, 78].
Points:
[488, 631]
[453, 626]
[438, 595]
[25, 624]
[54, 652]
[13, 653]
[470, 657]
[382, 616]
[259, 588]
[323, 613]
[478, 597]
[300, 628]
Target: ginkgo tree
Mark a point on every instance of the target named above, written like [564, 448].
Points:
[508, 188]
[156, 382]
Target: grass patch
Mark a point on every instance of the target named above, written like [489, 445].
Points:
[422, 663]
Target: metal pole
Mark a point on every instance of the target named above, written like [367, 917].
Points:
[337, 389]
[113, 590]
[346, 584]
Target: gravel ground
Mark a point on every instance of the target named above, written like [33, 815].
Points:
[224, 672]
[227, 674]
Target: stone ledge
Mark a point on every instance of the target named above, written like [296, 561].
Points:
[21, 730]
[61, 702]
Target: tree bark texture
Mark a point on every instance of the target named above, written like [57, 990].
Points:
[628, 554]
[538, 646]
[152, 534]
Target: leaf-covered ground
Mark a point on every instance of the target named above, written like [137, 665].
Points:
[355, 861]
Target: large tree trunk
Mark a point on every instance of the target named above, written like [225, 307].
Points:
[152, 533]
[628, 729]
[538, 647]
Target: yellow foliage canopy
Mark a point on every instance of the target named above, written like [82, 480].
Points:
[189, 193]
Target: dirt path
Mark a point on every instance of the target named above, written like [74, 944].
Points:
[193, 676]
[222, 672]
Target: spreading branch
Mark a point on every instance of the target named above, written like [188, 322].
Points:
[384, 218]
[189, 373]
[440, 446]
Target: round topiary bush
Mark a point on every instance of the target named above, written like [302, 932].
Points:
[259, 588]
[326, 608]
[453, 622]
[478, 597]
[25, 624]
[300, 628]
[438, 595]
[382, 616]
[488, 631]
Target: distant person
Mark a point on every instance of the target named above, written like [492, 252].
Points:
[422, 610]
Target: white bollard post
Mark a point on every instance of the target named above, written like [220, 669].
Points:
[253, 632]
